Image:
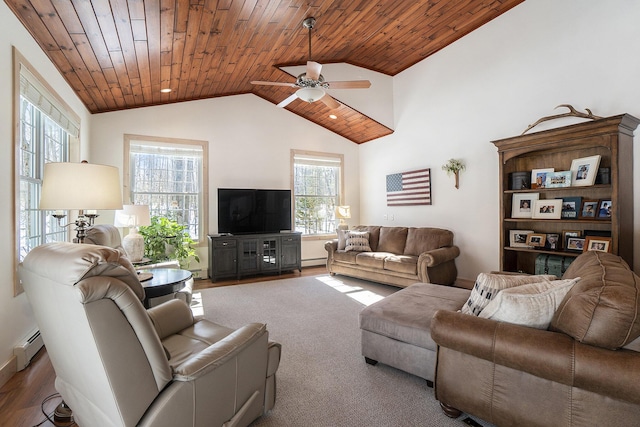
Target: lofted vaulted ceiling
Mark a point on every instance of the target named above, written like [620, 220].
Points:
[119, 54]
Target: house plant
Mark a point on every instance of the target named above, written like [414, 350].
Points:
[165, 239]
[454, 166]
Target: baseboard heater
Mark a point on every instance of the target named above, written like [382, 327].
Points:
[27, 349]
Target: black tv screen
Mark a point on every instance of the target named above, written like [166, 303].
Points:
[244, 211]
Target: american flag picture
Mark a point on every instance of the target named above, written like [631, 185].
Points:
[409, 188]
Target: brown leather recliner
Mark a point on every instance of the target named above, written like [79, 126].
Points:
[118, 364]
[583, 371]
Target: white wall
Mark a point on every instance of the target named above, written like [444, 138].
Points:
[249, 145]
[492, 84]
[15, 312]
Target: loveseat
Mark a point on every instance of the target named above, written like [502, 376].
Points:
[583, 370]
[398, 256]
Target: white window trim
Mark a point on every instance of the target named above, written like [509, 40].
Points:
[320, 154]
[58, 104]
[204, 207]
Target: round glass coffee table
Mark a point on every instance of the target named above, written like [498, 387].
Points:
[165, 281]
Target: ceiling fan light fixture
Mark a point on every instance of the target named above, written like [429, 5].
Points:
[310, 94]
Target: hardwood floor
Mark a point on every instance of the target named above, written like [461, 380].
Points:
[22, 397]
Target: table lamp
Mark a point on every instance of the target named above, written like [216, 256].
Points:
[83, 186]
[342, 213]
[133, 216]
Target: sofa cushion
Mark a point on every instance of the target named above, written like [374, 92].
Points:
[531, 305]
[406, 315]
[401, 264]
[603, 309]
[488, 285]
[357, 241]
[374, 234]
[372, 259]
[392, 239]
[423, 239]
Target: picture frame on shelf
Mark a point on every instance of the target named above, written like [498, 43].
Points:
[567, 234]
[522, 204]
[605, 208]
[575, 244]
[589, 209]
[552, 241]
[518, 238]
[539, 177]
[558, 179]
[597, 243]
[571, 207]
[547, 209]
[536, 240]
[584, 171]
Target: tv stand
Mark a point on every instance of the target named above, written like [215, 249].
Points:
[253, 254]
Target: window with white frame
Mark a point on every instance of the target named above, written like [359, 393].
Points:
[317, 190]
[169, 176]
[47, 128]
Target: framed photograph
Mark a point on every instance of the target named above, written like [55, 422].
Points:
[518, 238]
[536, 240]
[589, 208]
[597, 243]
[539, 177]
[571, 207]
[552, 241]
[547, 209]
[558, 179]
[584, 171]
[569, 233]
[575, 244]
[604, 209]
[522, 203]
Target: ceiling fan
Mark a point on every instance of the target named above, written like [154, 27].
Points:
[311, 84]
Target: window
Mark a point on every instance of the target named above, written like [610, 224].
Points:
[169, 175]
[317, 190]
[47, 128]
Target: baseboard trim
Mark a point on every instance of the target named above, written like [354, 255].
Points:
[8, 370]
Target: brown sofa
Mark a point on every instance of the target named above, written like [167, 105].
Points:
[583, 371]
[399, 256]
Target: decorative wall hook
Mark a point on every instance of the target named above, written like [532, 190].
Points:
[454, 166]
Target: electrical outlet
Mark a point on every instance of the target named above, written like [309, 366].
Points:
[392, 217]
[385, 217]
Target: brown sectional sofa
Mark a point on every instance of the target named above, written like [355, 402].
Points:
[583, 371]
[399, 256]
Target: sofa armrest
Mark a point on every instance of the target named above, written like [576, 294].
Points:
[439, 256]
[550, 355]
[218, 354]
[331, 245]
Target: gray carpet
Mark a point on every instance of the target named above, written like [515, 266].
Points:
[323, 379]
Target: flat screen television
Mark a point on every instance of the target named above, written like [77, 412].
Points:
[246, 211]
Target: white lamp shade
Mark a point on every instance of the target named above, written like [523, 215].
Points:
[310, 94]
[132, 216]
[80, 186]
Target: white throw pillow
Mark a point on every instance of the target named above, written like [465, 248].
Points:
[530, 305]
[488, 285]
[357, 241]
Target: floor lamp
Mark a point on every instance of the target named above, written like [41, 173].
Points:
[85, 187]
[88, 188]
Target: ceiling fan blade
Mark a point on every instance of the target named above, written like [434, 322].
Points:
[352, 84]
[287, 101]
[313, 70]
[259, 82]
[330, 102]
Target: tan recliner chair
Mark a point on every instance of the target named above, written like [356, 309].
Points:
[108, 235]
[118, 364]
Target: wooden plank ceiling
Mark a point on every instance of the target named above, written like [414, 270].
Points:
[119, 54]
